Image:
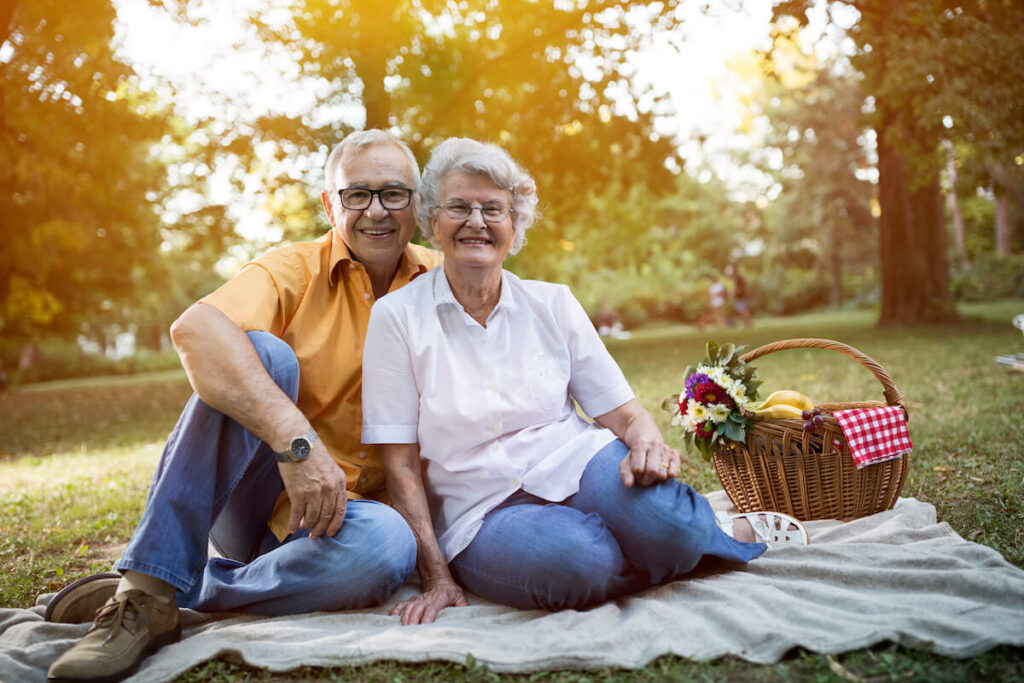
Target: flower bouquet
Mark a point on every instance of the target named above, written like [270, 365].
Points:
[715, 392]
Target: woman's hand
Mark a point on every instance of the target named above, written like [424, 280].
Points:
[424, 608]
[649, 461]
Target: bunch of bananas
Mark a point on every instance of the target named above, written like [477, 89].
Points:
[784, 404]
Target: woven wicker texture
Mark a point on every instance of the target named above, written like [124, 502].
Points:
[810, 475]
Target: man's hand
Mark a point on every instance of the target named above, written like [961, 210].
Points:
[424, 608]
[649, 461]
[316, 490]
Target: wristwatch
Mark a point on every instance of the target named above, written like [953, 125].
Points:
[299, 448]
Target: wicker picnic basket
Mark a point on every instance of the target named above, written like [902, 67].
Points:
[810, 475]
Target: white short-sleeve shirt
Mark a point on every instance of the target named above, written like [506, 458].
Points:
[491, 408]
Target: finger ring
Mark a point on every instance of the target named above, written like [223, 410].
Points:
[663, 466]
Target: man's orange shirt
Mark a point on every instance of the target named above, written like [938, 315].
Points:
[316, 298]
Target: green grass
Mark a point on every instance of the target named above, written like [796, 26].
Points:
[76, 459]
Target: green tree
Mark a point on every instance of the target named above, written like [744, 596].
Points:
[924, 61]
[96, 235]
[75, 169]
[815, 148]
[550, 82]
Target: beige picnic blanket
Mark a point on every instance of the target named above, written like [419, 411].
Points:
[897, 576]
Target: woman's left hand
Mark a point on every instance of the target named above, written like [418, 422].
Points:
[424, 608]
[649, 461]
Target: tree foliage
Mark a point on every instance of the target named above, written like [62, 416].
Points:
[104, 224]
[550, 82]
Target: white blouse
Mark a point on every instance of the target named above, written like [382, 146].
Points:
[491, 408]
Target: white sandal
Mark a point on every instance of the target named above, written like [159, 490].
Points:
[774, 530]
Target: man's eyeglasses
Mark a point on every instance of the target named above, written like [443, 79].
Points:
[391, 198]
[492, 212]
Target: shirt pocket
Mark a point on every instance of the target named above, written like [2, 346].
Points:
[547, 381]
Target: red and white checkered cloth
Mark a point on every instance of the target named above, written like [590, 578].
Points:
[875, 434]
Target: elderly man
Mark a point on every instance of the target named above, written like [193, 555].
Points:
[266, 462]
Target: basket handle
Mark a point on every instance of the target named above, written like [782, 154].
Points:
[892, 395]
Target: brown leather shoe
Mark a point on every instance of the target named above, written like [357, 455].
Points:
[128, 628]
[78, 601]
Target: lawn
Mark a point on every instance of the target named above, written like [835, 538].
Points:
[76, 458]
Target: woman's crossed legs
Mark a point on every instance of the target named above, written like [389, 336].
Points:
[603, 542]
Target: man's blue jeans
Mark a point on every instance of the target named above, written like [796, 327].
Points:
[216, 482]
[601, 543]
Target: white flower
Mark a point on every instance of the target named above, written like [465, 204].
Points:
[697, 412]
[717, 375]
[719, 412]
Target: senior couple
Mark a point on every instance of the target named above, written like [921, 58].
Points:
[317, 396]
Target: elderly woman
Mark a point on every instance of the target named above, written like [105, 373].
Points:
[469, 381]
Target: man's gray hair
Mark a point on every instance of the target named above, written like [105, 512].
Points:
[464, 155]
[357, 142]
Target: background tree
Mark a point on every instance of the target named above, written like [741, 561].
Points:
[813, 144]
[924, 61]
[98, 231]
[548, 81]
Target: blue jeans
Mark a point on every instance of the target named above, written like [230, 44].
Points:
[601, 543]
[217, 483]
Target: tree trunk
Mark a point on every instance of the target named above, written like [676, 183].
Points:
[371, 71]
[912, 244]
[1003, 230]
[953, 204]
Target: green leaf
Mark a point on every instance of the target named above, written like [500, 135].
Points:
[734, 431]
[670, 403]
[726, 354]
[711, 349]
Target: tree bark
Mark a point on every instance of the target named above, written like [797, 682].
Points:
[912, 243]
[1003, 230]
[953, 204]
[371, 71]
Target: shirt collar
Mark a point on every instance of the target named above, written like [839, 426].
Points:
[410, 263]
[443, 292]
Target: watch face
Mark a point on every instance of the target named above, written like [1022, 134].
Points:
[301, 448]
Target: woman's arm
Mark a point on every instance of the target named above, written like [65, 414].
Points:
[408, 497]
[650, 459]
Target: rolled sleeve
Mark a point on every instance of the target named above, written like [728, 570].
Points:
[390, 395]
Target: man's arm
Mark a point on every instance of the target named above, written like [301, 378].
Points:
[226, 373]
[408, 497]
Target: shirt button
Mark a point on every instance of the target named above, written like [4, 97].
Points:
[495, 429]
[366, 295]
[490, 385]
[515, 482]
[361, 455]
[362, 480]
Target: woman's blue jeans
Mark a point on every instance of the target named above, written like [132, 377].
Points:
[601, 543]
[217, 483]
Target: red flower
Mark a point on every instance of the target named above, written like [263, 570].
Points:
[705, 430]
[684, 404]
[709, 392]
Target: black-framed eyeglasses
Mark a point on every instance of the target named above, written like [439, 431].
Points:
[492, 212]
[391, 198]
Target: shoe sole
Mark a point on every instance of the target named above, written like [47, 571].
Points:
[77, 602]
[172, 636]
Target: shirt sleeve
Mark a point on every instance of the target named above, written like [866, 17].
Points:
[262, 296]
[390, 395]
[595, 379]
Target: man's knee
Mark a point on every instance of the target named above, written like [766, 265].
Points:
[384, 546]
[279, 360]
